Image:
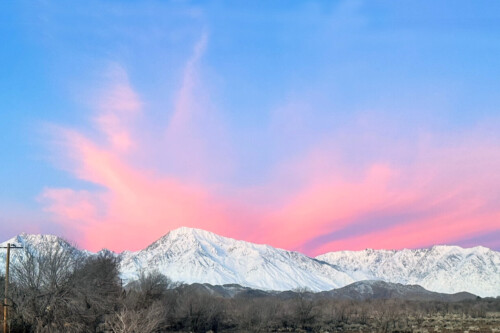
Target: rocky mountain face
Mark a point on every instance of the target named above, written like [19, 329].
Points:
[446, 269]
[376, 289]
[359, 291]
[196, 256]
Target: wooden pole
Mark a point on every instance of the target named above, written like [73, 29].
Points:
[5, 305]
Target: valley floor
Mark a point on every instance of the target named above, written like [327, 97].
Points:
[448, 323]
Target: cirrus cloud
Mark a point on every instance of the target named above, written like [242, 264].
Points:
[441, 189]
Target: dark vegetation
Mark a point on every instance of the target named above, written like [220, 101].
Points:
[54, 291]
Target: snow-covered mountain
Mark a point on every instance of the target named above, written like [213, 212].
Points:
[193, 255]
[197, 256]
[445, 269]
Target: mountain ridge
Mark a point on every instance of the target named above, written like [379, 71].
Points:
[16, 238]
[359, 291]
[192, 255]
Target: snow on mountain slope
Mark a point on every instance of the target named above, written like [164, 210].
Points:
[35, 243]
[193, 255]
[445, 269]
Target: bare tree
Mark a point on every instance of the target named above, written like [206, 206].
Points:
[148, 320]
[304, 308]
[200, 312]
[143, 307]
[95, 289]
[147, 289]
[42, 278]
[57, 290]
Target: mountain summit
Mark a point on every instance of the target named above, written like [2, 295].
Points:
[197, 256]
[194, 255]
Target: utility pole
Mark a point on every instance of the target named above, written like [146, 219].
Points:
[6, 299]
[5, 302]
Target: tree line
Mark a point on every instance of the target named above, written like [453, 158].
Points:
[55, 290]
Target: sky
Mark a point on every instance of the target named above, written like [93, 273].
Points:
[313, 126]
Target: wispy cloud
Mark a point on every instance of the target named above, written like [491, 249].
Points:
[118, 108]
[446, 191]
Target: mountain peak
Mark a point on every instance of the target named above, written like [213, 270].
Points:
[191, 255]
[33, 239]
[187, 231]
[184, 237]
[194, 255]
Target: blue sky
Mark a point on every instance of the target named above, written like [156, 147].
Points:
[361, 83]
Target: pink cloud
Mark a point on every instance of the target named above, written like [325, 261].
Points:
[447, 192]
[443, 229]
[118, 108]
[137, 206]
[186, 102]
